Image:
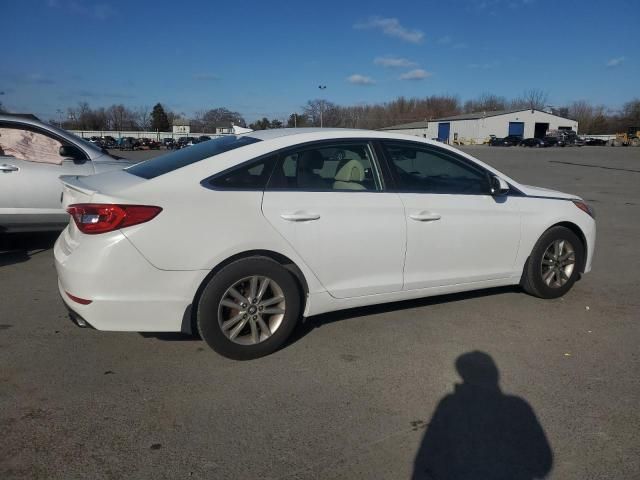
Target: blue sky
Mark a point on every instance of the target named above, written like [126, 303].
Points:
[267, 58]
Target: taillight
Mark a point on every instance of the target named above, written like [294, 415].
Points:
[95, 218]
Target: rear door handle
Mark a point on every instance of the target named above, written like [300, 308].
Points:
[300, 216]
[425, 217]
[8, 168]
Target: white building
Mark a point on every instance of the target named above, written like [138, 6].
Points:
[181, 126]
[477, 127]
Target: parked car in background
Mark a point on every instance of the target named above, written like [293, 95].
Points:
[148, 144]
[533, 142]
[108, 142]
[595, 142]
[186, 141]
[33, 156]
[203, 138]
[263, 228]
[575, 141]
[168, 143]
[508, 141]
[554, 141]
[128, 143]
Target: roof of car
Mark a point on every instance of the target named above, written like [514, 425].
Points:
[284, 132]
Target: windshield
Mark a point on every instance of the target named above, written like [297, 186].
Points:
[186, 156]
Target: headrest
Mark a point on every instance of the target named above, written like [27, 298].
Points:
[310, 160]
[352, 171]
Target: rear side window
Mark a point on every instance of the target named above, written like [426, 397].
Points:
[186, 156]
[251, 176]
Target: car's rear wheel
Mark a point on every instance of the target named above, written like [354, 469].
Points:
[249, 308]
[554, 264]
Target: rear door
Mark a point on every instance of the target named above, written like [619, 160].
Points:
[30, 167]
[328, 201]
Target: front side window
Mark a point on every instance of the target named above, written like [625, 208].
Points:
[30, 145]
[426, 169]
[348, 167]
[186, 156]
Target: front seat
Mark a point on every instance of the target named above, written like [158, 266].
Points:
[308, 162]
[349, 176]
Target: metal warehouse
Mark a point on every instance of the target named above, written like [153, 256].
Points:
[478, 127]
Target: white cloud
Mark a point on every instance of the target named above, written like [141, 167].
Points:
[446, 40]
[358, 79]
[392, 28]
[393, 62]
[614, 62]
[417, 74]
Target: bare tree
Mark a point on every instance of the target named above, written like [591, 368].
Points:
[142, 117]
[487, 102]
[534, 98]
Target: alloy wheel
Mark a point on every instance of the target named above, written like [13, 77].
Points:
[558, 262]
[251, 310]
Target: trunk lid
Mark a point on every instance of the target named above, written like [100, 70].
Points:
[75, 190]
[116, 183]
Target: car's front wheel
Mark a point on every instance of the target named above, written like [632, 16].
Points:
[249, 308]
[554, 264]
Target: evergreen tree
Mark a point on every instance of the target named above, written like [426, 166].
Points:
[159, 119]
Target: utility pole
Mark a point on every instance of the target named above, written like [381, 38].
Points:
[321, 87]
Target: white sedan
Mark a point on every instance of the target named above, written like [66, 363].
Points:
[239, 237]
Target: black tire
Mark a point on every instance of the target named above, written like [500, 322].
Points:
[532, 280]
[207, 309]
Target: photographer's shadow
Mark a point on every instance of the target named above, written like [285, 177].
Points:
[478, 432]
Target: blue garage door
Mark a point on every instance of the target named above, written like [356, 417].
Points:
[516, 128]
[443, 131]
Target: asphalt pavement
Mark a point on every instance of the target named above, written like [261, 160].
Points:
[370, 393]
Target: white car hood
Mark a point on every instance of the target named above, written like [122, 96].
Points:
[545, 192]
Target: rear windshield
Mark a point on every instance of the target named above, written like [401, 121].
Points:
[186, 156]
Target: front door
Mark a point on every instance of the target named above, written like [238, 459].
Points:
[456, 232]
[326, 200]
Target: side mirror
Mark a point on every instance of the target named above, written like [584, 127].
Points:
[73, 152]
[498, 186]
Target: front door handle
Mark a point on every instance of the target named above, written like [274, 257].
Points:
[8, 168]
[300, 216]
[424, 217]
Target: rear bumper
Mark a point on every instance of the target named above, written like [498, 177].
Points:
[127, 293]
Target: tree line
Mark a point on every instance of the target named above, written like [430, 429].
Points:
[592, 118]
